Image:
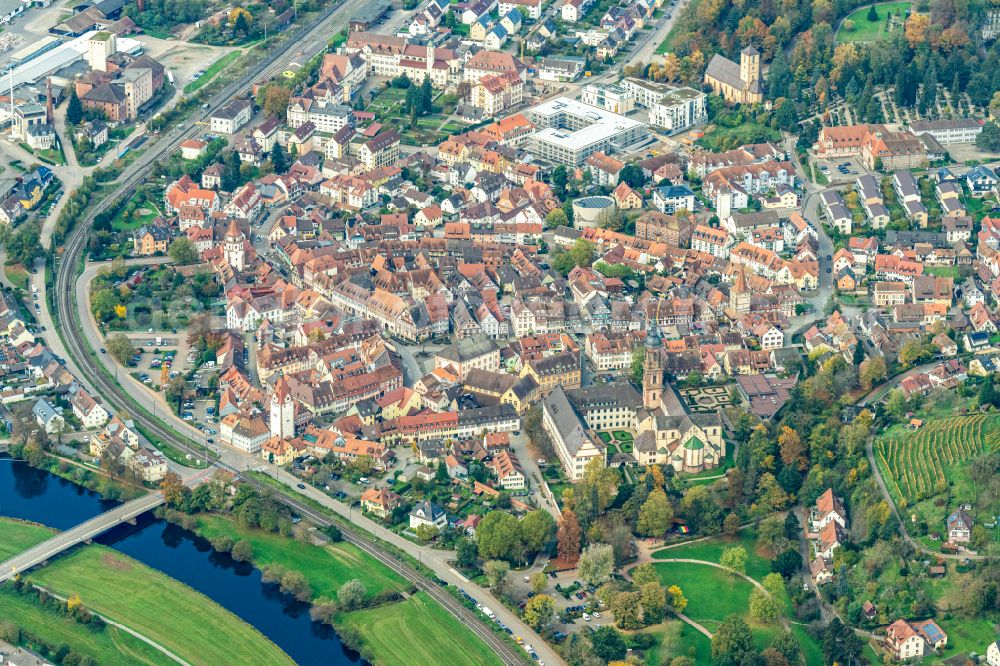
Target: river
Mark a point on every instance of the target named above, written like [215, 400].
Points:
[38, 496]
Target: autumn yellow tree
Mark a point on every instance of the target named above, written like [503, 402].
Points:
[677, 599]
[659, 481]
[791, 446]
[671, 67]
[74, 601]
[121, 311]
[234, 15]
[916, 29]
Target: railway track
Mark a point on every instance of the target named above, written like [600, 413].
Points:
[310, 41]
[466, 616]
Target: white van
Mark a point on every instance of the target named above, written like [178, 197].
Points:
[363, 480]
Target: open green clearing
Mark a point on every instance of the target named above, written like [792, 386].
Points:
[111, 646]
[17, 536]
[418, 631]
[872, 31]
[711, 549]
[144, 213]
[388, 107]
[714, 593]
[720, 137]
[108, 647]
[943, 271]
[326, 568]
[213, 69]
[158, 607]
[692, 643]
[967, 635]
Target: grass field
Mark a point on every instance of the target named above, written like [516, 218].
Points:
[326, 568]
[111, 646]
[943, 271]
[418, 632]
[212, 71]
[17, 536]
[873, 31]
[758, 565]
[929, 461]
[692, 644]
[713, 594]
[184, 621]
[107, 647]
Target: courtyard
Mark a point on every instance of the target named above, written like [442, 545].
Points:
[389, 106]
[617, 441]
[706, 399]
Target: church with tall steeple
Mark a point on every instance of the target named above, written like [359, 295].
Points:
[667, 431]
[652, 371]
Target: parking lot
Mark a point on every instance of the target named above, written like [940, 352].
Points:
[842, 170]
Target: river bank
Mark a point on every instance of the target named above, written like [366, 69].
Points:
[207, 584]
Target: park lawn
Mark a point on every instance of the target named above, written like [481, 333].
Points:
[871, 31]
[184, 621]
[692, 644]
[713, 594]
[711, 549]
[17, 275]
[111, 646]
[212, 71]
[17, 536]
[417, 631]
[326, 568]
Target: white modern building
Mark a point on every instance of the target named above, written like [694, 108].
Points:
[679, 110]
[673, 108]
[609, 96]
[570, 131]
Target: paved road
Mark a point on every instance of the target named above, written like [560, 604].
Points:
[176, 434]
[82, 532]
[508, 653]
[437, 560]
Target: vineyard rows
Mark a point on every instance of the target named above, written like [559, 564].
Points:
[916, 460]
